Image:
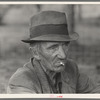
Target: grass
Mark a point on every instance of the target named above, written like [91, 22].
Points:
[6, 70]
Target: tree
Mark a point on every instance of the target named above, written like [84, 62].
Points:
[80, 12]
[69, 9]
[38, 7]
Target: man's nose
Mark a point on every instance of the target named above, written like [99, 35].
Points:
[61, 53]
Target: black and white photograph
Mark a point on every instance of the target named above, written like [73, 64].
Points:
[49, 48]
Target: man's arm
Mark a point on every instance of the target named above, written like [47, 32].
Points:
[19, 90]
[86, 85]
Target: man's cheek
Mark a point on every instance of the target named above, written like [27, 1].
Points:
[46, 58]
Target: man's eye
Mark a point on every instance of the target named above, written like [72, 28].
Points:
[66, 44]
[53, 47]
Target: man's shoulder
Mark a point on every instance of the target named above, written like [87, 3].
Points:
[24, 73]
[24, 79]
[71, 66]
[71, 62]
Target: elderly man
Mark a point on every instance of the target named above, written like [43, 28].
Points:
[50, 70]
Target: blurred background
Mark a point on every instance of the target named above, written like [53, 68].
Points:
[14, 26]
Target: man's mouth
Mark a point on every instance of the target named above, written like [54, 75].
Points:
[60, 63]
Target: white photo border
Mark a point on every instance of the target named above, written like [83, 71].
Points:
[68, 96]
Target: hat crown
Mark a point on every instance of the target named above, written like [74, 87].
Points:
[49, 26]
[48, 17]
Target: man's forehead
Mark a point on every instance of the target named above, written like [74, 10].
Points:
[51, 43]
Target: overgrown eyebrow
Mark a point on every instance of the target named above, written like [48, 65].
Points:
[52, 45]
[67, 43]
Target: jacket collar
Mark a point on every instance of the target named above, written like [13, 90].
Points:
[41, 75]
[45, 87]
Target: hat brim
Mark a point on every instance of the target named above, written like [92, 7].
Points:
[53, 38]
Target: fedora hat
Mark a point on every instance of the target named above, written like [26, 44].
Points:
[50, 26]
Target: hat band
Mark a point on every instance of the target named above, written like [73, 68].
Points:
[59, 29]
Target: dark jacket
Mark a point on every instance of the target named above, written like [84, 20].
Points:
[32, 79]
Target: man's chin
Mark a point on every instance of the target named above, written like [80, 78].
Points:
[59, 69]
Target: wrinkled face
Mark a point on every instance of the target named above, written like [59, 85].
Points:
[53, 55]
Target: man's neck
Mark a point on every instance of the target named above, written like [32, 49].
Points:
[51, 74]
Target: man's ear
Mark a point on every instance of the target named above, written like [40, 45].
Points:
[35, 53]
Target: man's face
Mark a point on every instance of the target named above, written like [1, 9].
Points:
[53, 55]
